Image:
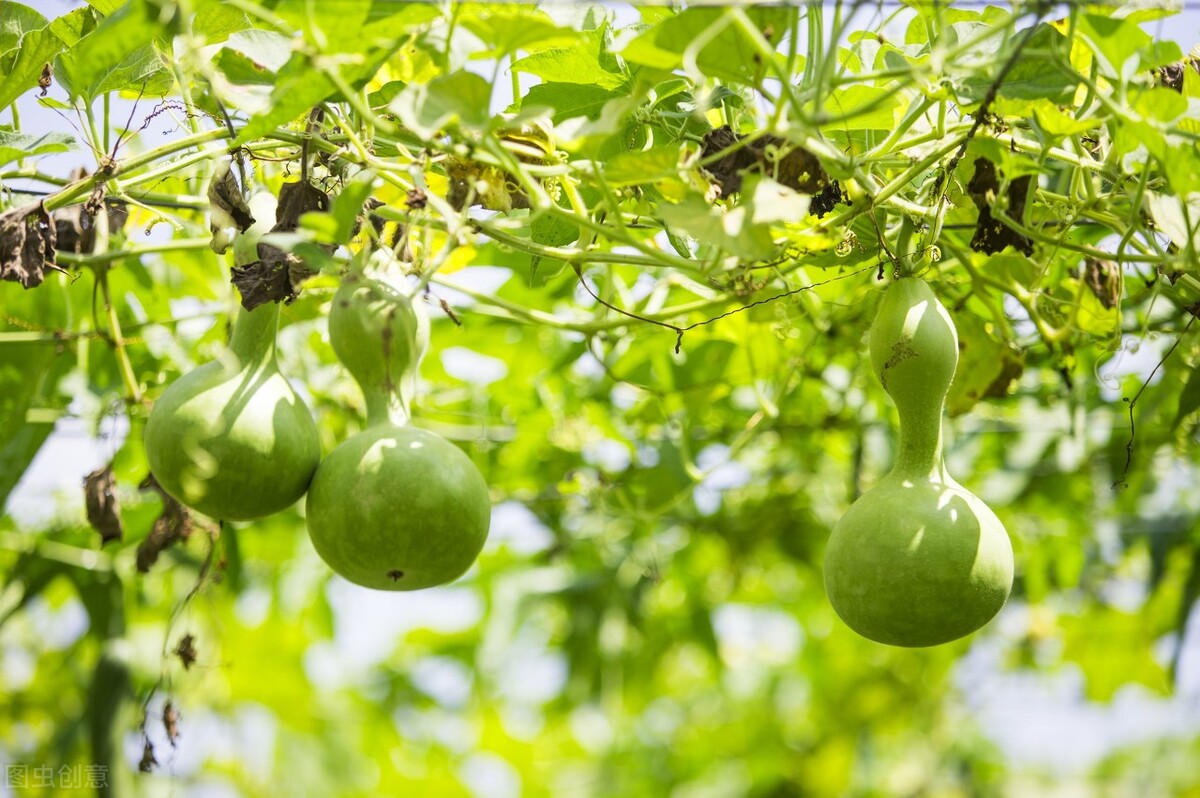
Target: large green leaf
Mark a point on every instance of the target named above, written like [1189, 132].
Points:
[730, 54]
[21, 67]
[460, 98]
[16, 145]
[732, 230]
[568, 100]
[118, 53]
[1030, 78]
[571, 65]
[15, 21]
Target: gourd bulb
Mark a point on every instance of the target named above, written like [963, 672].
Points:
[917, 560]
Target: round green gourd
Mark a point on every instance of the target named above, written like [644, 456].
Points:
[231, 438]
[393, 507]
[918, 560]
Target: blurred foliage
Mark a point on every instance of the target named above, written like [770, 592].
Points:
[661, 381]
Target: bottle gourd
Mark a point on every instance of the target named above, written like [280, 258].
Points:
[231, 438]
[918, 560]
[394, 507]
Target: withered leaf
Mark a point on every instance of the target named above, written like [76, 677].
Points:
[170, 719]
[147, 762]
[227, 206]
[416, 199]
[277, 275]
[1171, 75]
[295, 200]
[1105, 280]
[992, 235]
[172, 525]
[773, 156]
[264, 280]
[27, 240]
[103, 508]
[186, 651]
[75, 230]
[483, 186]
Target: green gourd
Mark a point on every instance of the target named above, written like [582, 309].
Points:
[394, 507]
[231, 438]
[918, 560]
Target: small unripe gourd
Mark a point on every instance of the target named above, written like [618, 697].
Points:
[918, 560]
[394, 507]
[231, 438]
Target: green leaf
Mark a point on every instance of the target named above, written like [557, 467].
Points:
[388, 19]
[864, 107]
[17, 450]
[578, 133]
[252, 63]
[217, 21]
[1010, 268]
[568, 100]
[1117, 41]
[239, 68]
[17, 145]
[772, 202]
[1030, 78]
[348, 205]
[1189, 399]
[1178, 222]
[987, 366]
[1058, 125]
[1090, 314]
[643, 166]
[21, 67]
[1161, 104]
[74, 26]
[729, 55]
[22, 367]
[297, 89]
[117, 54]
[732, 230]
[918, 26]
[509, 28]
[573, 65]
[553, 231]
[385, 94]
[333, 27]
[106, 7]
[15, 21]
[460, 98]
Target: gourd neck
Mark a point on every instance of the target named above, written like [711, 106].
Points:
[253, 340]
[920, 447]
[388, 407]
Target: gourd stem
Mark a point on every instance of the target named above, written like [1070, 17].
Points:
[254, 334]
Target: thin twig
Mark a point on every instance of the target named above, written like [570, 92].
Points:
[679, 331]
[1122, 482]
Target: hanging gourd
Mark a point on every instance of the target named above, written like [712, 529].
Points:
[394, 507]
[917, 560]
[231, 439]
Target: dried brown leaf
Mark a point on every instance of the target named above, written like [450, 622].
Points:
[186, 651]
[27, 239]
[227, 206]
[172, 525]
[103, 508]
